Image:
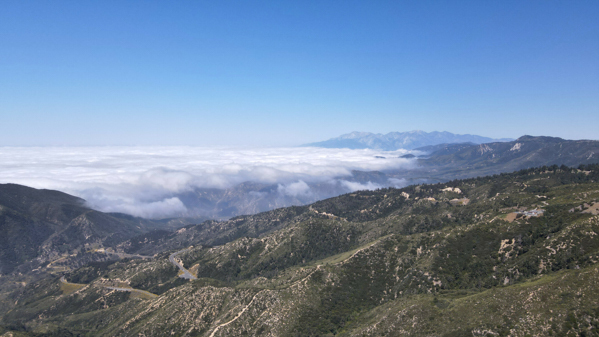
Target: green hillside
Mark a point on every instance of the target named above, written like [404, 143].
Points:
[506, 255]
[450, 161]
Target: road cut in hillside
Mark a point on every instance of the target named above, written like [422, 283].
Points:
[186, 274]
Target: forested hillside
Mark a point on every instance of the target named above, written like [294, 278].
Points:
[506, 255]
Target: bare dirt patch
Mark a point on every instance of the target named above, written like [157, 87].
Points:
[511, 217]
[463, 201]
[593, 209]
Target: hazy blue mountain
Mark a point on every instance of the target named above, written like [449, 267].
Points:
[400, 140]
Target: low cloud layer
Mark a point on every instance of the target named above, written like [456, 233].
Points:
[151, 181]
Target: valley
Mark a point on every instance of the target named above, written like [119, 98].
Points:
[386, 262]
[299, 168]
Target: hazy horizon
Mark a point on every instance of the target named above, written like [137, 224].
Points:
[93, 94]
[303, 144]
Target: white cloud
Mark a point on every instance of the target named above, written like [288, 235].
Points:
[145, 181]
[397, 183]
[157, 209]
[355, 186]
[299, 188]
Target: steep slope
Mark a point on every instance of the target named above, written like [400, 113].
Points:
[215, 232]
[525, 151]
[458, 161]
[40, 226]
[513, 254]
[399, 140]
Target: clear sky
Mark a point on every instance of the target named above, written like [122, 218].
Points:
[278, 73]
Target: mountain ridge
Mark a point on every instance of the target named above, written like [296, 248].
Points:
[447, 259]
[459, 161]
[399, 140]
[40, 226]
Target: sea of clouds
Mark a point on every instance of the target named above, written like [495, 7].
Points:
[146, 181]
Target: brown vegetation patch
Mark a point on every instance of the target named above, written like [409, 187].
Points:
[69, 288]
[511, 217]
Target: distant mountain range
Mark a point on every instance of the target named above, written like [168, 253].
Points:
[433, 163]
[457, 161]
[401, 140]
[448, 259]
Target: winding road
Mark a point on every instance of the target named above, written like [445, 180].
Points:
[186, 274]
[304, 279]
[132, 290]
[147, 293]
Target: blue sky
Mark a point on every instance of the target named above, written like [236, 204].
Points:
[280, 73]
